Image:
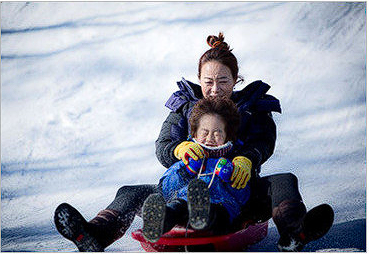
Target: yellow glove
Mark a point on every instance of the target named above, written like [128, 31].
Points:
[241, 172]
[189, 149]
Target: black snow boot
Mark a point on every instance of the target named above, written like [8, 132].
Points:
[313, 225]
[153, 216]
[198, 200]
[204, 215]
[159, 217]
[93, 236]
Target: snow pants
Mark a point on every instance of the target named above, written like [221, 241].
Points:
[130, 198]
[266, 194]
[269, 192]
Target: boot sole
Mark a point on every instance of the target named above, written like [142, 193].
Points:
[153, 215]
[198, 204]
[317, 222]
[70, 224]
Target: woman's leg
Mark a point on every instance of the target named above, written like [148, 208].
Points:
[129, 199]
[109, 225]
[295, 226]
[71, 224]
[267, 193]
[288, 209]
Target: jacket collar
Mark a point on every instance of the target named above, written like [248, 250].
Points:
[253, 95]
[190, 90]
[193, 91]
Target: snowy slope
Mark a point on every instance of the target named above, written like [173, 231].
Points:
[83, 87]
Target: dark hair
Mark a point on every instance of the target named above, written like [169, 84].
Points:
[221, 53]
[223, 107]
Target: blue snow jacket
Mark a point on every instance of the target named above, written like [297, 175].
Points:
[257, 132]
[175, 181]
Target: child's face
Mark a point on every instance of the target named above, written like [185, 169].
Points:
[211, 130]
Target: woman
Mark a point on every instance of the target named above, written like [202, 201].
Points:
[200, 193]
[275, 196]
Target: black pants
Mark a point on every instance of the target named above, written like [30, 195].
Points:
[177, 214]
[129, 200]
[266, 193]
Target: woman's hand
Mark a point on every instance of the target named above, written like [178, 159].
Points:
[188, 149]
[241, 172]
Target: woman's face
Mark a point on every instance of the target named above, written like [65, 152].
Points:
[211, 130]
[216, 80]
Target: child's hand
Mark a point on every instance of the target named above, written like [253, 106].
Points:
[193, 166]
[241, 173]
[188, 149]
[224, 169]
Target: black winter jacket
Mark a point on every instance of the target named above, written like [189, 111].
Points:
[257, 132]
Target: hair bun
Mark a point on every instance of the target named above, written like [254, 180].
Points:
[217, 41]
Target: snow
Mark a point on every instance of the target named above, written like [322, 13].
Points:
[83, 88]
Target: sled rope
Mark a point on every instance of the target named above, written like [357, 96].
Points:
[206, 174]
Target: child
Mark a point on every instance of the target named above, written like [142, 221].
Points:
[201, 192]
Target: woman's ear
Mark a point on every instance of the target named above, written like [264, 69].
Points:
[240, 79]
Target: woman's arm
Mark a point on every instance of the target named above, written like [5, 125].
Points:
[258, 138]
[173, 131]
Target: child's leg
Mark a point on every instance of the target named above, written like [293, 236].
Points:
[219, 220]
[153, 215]
[198, 197]
[204, 215]
[176, 214]
[159, 217]
[173, 181]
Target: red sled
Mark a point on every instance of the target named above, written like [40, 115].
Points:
[179, 239]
